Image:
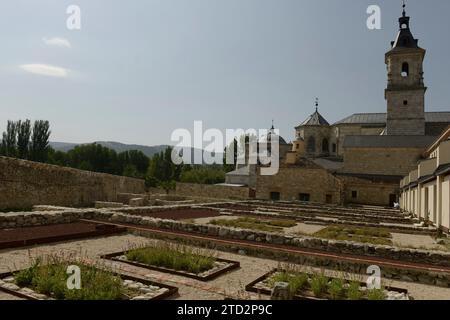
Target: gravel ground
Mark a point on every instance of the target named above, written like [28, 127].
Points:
[303, 228]
[230, 284]
[416, 241]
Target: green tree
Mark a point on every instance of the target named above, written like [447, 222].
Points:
[9, 140]
[23, 138]
[94, 157]
[134, 158]
[228, 167]
[131, 171]
[40, 141]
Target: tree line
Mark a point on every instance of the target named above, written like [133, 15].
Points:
[31, 142]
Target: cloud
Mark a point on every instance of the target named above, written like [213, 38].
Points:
[45, 70]
[57, 42]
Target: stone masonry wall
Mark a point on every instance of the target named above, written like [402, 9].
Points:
[368, 192]
[25, 183]
[290, 182]
[373, 160]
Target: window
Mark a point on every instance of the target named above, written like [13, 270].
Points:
[354, 194]
[304, 197]
[405, 69]
[405, 102]
[329, 198]
[311, 144]
[334, 147]
[275, 196]
[325, 146]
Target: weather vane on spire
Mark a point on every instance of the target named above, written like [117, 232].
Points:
[404, 7]
[317, 104]
[273, 127]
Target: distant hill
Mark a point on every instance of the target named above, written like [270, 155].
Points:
[149, 151]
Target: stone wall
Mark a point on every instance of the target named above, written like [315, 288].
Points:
[374, 160]
[25, 183]
[291, 181]
[368, 191]
[212, 191]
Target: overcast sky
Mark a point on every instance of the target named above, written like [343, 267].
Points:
[138, 69]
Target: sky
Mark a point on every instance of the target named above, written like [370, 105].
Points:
[137, 70]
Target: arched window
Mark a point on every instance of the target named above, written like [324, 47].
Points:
[325, 146]
[311, 144]
[405, 69]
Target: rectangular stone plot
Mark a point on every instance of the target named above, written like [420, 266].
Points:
[294, 285]
[130, 288]
[218, 267]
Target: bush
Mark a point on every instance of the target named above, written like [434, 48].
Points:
[353, 291]
[319, 285]
[376, 294]
[336, 289]
[297, 281]
[151, 182]
[172, 257]
[51, 279]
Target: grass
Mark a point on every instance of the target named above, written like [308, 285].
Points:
[376, 294]
[255, 224]
[297, 281]
[50, 278]
[176, 257]
[353, 291]
[336, 289]
[321, 286]
[363, 235]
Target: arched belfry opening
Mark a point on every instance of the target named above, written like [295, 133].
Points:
[405, 69]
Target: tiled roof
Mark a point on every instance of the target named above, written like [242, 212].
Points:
[315, 119]
[388, 141]
[380, 118]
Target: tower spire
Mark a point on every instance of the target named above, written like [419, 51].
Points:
[317, 104]
[404, 8]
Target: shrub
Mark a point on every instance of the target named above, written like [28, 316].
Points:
[336, 289]
[376, 294]
[353, 291]
[297, 281]
[51, 279]
[319, 285]
[172, 257]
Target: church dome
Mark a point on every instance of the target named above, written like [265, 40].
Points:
[315, 119]
[272, 135]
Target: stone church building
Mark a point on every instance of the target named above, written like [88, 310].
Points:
[361, 158]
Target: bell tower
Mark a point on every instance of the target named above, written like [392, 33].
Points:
[405, 92]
